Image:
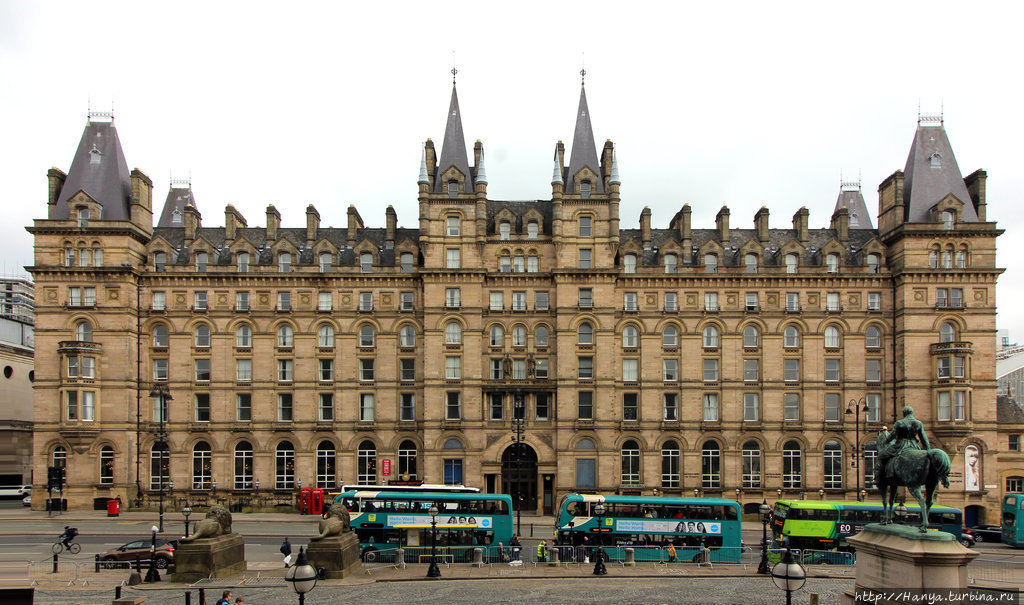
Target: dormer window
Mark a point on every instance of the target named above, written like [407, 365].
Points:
[325, 262]
[792, 261]
[505, 230]
[947, 220]
[670, 263]
[83, 217]
[935, 160]
[629, 263]
[202, 259]
[176, 217]
[284, 262]
[159, 261]
[585, 189]
[95, 155]
[243, 262]
[832, 263]
[366, 262]
[711, 263]
[873, 262]
[532, 230]
[453, 189]
[750, 262]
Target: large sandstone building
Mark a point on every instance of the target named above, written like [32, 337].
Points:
[737, 360]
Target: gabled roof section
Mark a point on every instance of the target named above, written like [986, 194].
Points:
[453, 149]
[100, 170]
[584, 150]
[179, 196]
[850, 196]
[932, 174]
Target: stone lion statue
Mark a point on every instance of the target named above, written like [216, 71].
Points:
[216, 523]
[335, 523]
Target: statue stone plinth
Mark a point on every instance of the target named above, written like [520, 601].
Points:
[893, 558]
[216, 557]
[338, 555]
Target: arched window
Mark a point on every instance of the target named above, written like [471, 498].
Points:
[453, 333]
[751, 464]
[961, 257]
[792, 465]
[497, 336]
[284, 466]
[792, 263]
[872, 337]
[833, 465]
[159, 261]
[874, 260]
[832, 263]
[711, 465]
[629, 337]
[711, 263]
[832, 337]
[407, 337]
[366, 462]
[160, 337]
[791, 337]
[585, 444]
[285, 336]
[630, 463]
[202, 335]
[947, 258]
[365, 262]
[325, 336]
[326, 465]
[243, 336]
[325, 262]
[202, 466]
[933, 257]
[407, 262]
[107, 465]
[407, 460]
[159, 465]
[947, 333]
[629, 263]
[540, 336]
[367, 335]
[243, 465]
[519, 336]
[585, 334]
[670, 464]
[202, 259]
[83, 331]
[452, 444]
[284, 262]
[671, 263]
[750, 262]
[750, 336]
[670, 337]
[710, 336]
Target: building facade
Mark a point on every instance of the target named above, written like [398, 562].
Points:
[17, 340]
[750, 362]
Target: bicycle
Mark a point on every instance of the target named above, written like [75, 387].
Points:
[73, 547]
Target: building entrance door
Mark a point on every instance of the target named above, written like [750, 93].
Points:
[519, 476]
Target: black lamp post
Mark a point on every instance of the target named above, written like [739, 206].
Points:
[789, 575]
[302, 576]
[766, 510]
[153, 575]
[187, 511]
[599, 567]
[433, 571]
[160, 391]
[856, 407]
[518, 428]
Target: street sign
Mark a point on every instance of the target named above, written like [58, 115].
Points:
[385, 467]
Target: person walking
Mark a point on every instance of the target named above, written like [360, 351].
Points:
[516, 546]
[286, 550]
[225, 598]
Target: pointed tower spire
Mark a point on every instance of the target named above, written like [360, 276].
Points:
[423, 167]
[584, 150]
[850, 196]
[932, 173]
[481, 172]
[453, 149]
[179, 196]
[614, 178]
[100, 170]
[556, 174]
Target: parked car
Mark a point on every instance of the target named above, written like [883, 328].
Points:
[967, 539]
[986, 533]
[163, 558]
[27, 500]
[15, 491]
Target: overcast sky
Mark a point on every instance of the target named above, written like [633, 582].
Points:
[711, 104]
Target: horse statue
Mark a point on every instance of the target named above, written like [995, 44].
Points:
[904, 462]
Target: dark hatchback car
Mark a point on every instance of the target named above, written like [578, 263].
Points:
[986, 533]
[163, 558]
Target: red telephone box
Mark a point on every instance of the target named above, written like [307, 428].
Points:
[316, 506]
[305, 495]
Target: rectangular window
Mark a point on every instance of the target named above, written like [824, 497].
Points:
[670, 370]
[453, 471]
[711, 407]
[943, 367]
[325, 409]
[366, 407]
[671, 301]
[504, 264]
[629, 370]
[791, 370]
[407, 369]
[629, 302]
[497, 406]
[366, 301]
[540, 301]
[586, 226]
[710, 370]
[531, 264]
[202, 370]
[751, 302]
[72, 405]
[159, 301]
[496, 369]
[517, 264]
[326, 370]
[200, 298]
[242, 301]
[243, 407]
[585, 405]
[791, 407]
[88, 406]
[586, 297]
[159, 369]
[452, 297]
[792, 301]
[285, 369]
[959, 367]
[452, 368]
[284, 301]
[73, 366]
[874, 403]
[453, 258]
[874, 301]
[1013, 443]
[407, 406]
[956, 297]
[243, 370]
[284, 407]
[586, 473]
[630, 406]
[873, 370]
[585, 368]
[497, 301]
[670, 406]
[751, 407]
[750, 370]
[366, 370]
[832, 301]
[831, 407]
[519, 301]
[453, 226]
[711, 301]
[518, 369]
[543, 405]
[586, 261]
[942, 297]
[831, 370]
[202, 407]
[453, 405]
[944, 413]
[406, 301]
[243, 262]
[959, 405]
[324, 301]
[541, 368]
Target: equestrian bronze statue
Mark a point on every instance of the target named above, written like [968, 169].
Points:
[905, 458]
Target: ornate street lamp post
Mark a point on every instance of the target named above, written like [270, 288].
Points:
[160, 391]
[153, 575]
[766, 510]
[518, 428]
[789, 575]
[187, 511]
[856, 407]
[302, 576]
[433, 571]
[599, 566]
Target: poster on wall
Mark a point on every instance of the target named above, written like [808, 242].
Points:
[972, 469]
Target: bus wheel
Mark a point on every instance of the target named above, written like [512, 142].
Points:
[371, 555]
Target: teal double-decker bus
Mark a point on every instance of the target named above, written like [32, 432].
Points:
[649, 525]
[387, 520]
[1013, 520]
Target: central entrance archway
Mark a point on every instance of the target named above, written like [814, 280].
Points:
[519, 476]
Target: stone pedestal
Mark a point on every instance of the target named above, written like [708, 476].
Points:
[893, 559]
[338, 556]
[217, 557]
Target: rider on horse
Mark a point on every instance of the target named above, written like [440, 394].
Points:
[904, 436]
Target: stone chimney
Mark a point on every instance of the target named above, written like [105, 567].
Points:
[55, 178]
[722, 224]
[142, 199]
[233, 219]
[761, 224]
[312, 224]
[841, 223]
[391, 220]
[800, 225]
[355, 222]
[193, 223]
[976, 188]
[273, 222]
[645, 227]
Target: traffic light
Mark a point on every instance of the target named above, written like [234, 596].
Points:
[56, 476]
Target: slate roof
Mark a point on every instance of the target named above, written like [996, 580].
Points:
[931, 174]
[1008, 411]
[584, 149]
[520, 208]
[453, 148]
[853, 199]
[100, 170]
[177, 198]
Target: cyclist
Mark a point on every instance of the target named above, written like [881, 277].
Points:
[68, 535]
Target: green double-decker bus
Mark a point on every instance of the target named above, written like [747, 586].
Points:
[825, 525]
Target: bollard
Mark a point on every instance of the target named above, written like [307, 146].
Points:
[138, 563]
[478, 557]
[117, 592]
[553, 556]
[188, 597]
[54, 562]
[400, 558]
[814, 599]
[630, 561]
[97, 564]
[202, 596]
